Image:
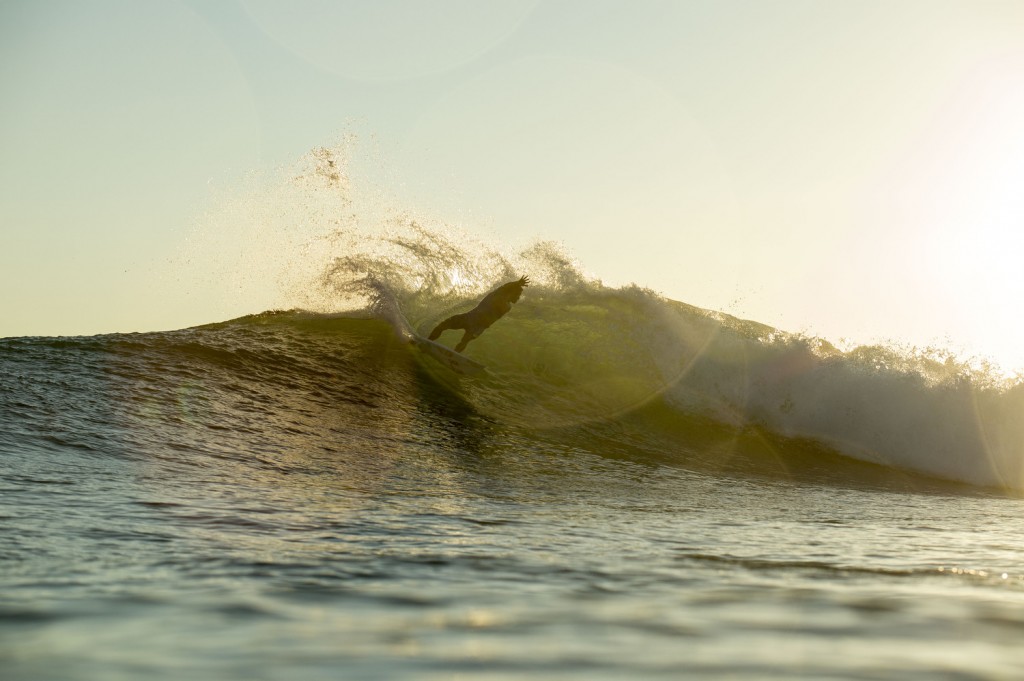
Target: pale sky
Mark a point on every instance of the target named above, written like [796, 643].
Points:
[848, 169]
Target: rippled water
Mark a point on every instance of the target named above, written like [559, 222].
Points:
[265, 501]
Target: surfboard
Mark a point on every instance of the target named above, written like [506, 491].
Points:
[446, 356]
[458, 363]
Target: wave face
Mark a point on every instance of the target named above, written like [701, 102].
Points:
[622, 372]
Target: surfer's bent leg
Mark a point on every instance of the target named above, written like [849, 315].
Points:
[466, 337]
[454, 322]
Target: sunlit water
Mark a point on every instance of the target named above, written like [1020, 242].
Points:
[294, 498]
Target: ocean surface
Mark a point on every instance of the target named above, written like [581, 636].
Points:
[637, 488]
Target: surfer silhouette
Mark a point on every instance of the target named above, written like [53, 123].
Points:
[492, 308]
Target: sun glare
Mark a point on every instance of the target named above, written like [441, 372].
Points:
[964, 191]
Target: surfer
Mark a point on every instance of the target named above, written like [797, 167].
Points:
[492, 308]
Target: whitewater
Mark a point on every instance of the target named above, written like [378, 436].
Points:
[636, 488]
